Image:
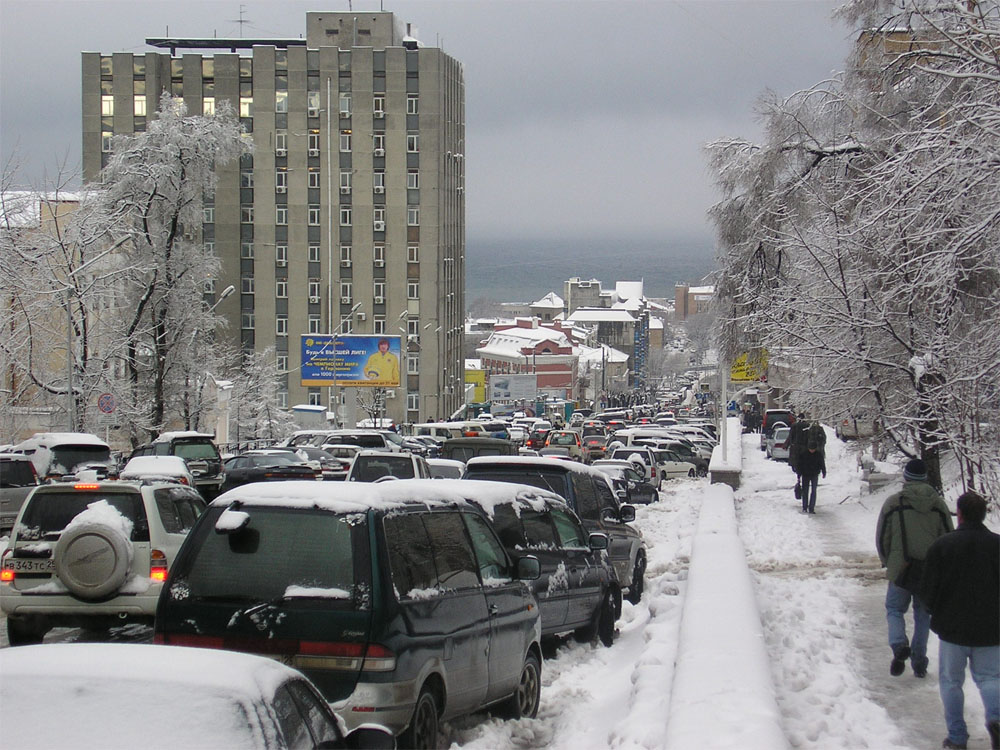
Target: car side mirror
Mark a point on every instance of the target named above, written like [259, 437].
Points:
[599, 541]
[627, 513]
[528, 568]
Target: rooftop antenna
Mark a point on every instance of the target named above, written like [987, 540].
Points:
[240, 21]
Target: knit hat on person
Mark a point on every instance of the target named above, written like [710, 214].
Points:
[915, 471]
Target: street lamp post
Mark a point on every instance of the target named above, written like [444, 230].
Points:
[334, 388]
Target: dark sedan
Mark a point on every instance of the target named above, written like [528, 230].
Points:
[266, 466]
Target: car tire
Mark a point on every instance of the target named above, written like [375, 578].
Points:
[422, 733]
[638, 584]
[24, 631]
[523, 704]
[702, 471]
[93, 560]
[606, 620]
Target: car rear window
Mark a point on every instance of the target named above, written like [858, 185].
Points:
[16, 473]
[195, 449]
[364, 441]
[66, 457]
[178, 509]
[48, 513]
[541, 477]
[370, 468]
[278, 549]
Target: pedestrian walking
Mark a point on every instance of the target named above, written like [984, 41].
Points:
[961, 588]
[909, 522]
[811, 465]
[798, 444]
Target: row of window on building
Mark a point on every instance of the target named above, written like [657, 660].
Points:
[314, 214]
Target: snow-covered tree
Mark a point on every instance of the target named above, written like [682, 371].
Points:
[154, 190]
[859, 239]
[255, 414]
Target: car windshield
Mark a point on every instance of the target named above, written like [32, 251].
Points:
[320, 563]
[48, 513]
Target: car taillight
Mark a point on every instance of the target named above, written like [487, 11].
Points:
[86, 486]
[6, 574]
[157, 565]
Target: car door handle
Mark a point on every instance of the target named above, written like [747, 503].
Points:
[494, 610]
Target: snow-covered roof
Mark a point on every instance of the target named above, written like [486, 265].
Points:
[61, 438]
[23, 208]
[359, 497]
[632, 304]
[628, 289]
[701, 290]
[166, 437]
[549, 300]
[601, 315]
[510, 341]
[655, 323]
[602, 353]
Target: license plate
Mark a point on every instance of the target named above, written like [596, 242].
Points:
[30, 565]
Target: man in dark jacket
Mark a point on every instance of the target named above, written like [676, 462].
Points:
[961, 588]
[797, 442]
[811, 465]
[908, 524]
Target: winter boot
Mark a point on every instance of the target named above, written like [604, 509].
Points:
[899, 656]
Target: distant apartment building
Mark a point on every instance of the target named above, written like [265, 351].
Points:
[349, 216]
[691, 300]
[527, 348]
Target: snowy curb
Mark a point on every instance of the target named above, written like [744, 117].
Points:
[722, 691]
[728, 471]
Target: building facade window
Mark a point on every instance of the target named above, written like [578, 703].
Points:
[281, 361]
[313, 253]
[413, 216]
[345, 255]
[413, 254]
[413, 326]
[246, 321]
[345, 104]
[283, 399]
[413, 402]
[413, 142]
[378, 290]
[412, 104]
[246, 106]
[313, 143]
[139, 105]
[246, 214]
[345, 140]
[106, 138]
[314, 215]
[281, 289]
[378, 180]
[209, 247]
[378, 216]
[378, 326]
[281, 215]
[378, 142]
[107, 106]
[208, 214]
[413, 290]
[246, 285]
[346, 294]
[413, 179]
[246, 250]
[315, 399]
[345, 181]
[280, 101]
[281, 180]
[246, 178]
[314, 288]
[345, 216]
[281, 325]
[314, 178]
[312, 104]
[280, 142]
[208, 106]
[413, 363]
[378, 104]
[378, 255]
[315, 325]
[281, 255]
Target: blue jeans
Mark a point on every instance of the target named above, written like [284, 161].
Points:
[985, 666]
[897, 601]
[809, 485]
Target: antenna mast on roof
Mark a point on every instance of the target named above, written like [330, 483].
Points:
[240, 21]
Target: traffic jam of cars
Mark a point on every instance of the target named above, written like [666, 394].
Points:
[361, 586]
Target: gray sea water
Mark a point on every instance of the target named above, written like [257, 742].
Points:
[524, 270]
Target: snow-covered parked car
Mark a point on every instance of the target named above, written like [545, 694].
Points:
[164, 468]
[92, 554]
[57, 454]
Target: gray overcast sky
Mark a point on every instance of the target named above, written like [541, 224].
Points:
[582, 118]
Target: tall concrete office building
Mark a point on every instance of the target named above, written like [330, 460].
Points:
[349, 216]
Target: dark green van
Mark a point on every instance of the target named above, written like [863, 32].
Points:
[396, 599]
[464, 448]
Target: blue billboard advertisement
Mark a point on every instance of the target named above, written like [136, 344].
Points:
[346, 360]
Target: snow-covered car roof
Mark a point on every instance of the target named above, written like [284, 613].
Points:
[61, 438]
[126, 695]
[154, 467]
[536, 461]
[359, 497]
[166, 437]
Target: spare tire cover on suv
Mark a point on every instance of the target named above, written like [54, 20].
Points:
[93, 560]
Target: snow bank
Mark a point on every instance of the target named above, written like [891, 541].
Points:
[726, 465]
[722, 692]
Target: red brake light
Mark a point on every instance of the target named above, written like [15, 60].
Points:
[157, 565]
[86, 486]
[6, 575]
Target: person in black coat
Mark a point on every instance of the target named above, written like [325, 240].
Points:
[811, 465]
[961, 588]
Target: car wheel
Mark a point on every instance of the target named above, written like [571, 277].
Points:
[702, 471]
[523, 704]
[93, 560]
[636, 587]
[24, 631]
[422, 733]
[606, 620]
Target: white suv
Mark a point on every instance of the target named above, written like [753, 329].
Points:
[92, 554]
[374, 466]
